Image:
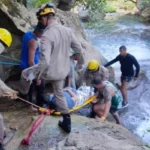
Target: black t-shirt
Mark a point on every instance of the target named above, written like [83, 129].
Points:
[127, 64]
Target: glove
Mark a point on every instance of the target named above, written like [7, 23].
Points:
[103, 118]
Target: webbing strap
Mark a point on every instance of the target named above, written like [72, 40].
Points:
[35, 125]
[4, 56]
[9, 63]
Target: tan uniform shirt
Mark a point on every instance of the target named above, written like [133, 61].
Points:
[102, 74]
[54, 61]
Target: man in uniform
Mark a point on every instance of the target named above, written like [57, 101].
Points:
[54, 63]
[95, 71]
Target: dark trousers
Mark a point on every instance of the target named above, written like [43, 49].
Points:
[38, 91]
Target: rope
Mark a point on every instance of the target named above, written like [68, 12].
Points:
[4, 56]
[41, 109]
[9, 63]
[28, 102]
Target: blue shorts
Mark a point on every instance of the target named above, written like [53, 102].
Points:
[126, 78]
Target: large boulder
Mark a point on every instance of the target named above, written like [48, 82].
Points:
[144, 8]
[65, 5]
[17, 20]
[88, 15]
[84, 15]
[142, 4]
[71, 20]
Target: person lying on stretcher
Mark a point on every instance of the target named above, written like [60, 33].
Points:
[108, 100]
[73, 97]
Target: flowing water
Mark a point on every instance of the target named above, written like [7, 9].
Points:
[135, 35]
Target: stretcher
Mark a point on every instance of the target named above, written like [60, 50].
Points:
[86, 102]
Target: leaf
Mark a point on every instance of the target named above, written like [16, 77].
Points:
[148, 130]
[148, 146]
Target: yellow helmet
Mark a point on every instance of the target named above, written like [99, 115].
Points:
[5, 37]
[93, 65]
[45, 11]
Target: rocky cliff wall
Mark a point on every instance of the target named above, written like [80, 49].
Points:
[17, 19]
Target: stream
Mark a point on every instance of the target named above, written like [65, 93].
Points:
[135, 35]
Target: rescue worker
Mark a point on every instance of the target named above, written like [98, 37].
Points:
[30, 56]
[127, 62]
[5, 41]
[95, 71]
[109, 100]
[54, 63]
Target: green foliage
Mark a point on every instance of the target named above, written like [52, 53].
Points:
[92, 4]
[147, 146]
[109, 9]
[148, 130]
[37, 3]
[105, 26]
[121, 4]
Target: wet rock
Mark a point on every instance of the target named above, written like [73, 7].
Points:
[84, 15]
[65, 5]
[141, 5]
[138, 111]
[87, 15]
[100, 136]
[146, 13]
[135, 83]
[144, 8]
[17, 19]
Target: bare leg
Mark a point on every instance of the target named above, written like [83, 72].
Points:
[99, 109]
[123, 90]
[116, 117]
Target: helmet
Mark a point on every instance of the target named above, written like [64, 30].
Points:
[93, 65]
[5, 37]
[45, 11]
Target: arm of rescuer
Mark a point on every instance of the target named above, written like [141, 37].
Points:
[45, 53]
[112, 61]
[76, 46]
[137, 66]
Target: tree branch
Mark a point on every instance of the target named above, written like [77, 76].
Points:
[130, 1]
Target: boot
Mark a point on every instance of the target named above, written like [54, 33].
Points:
[66, 123]
[1, 147]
